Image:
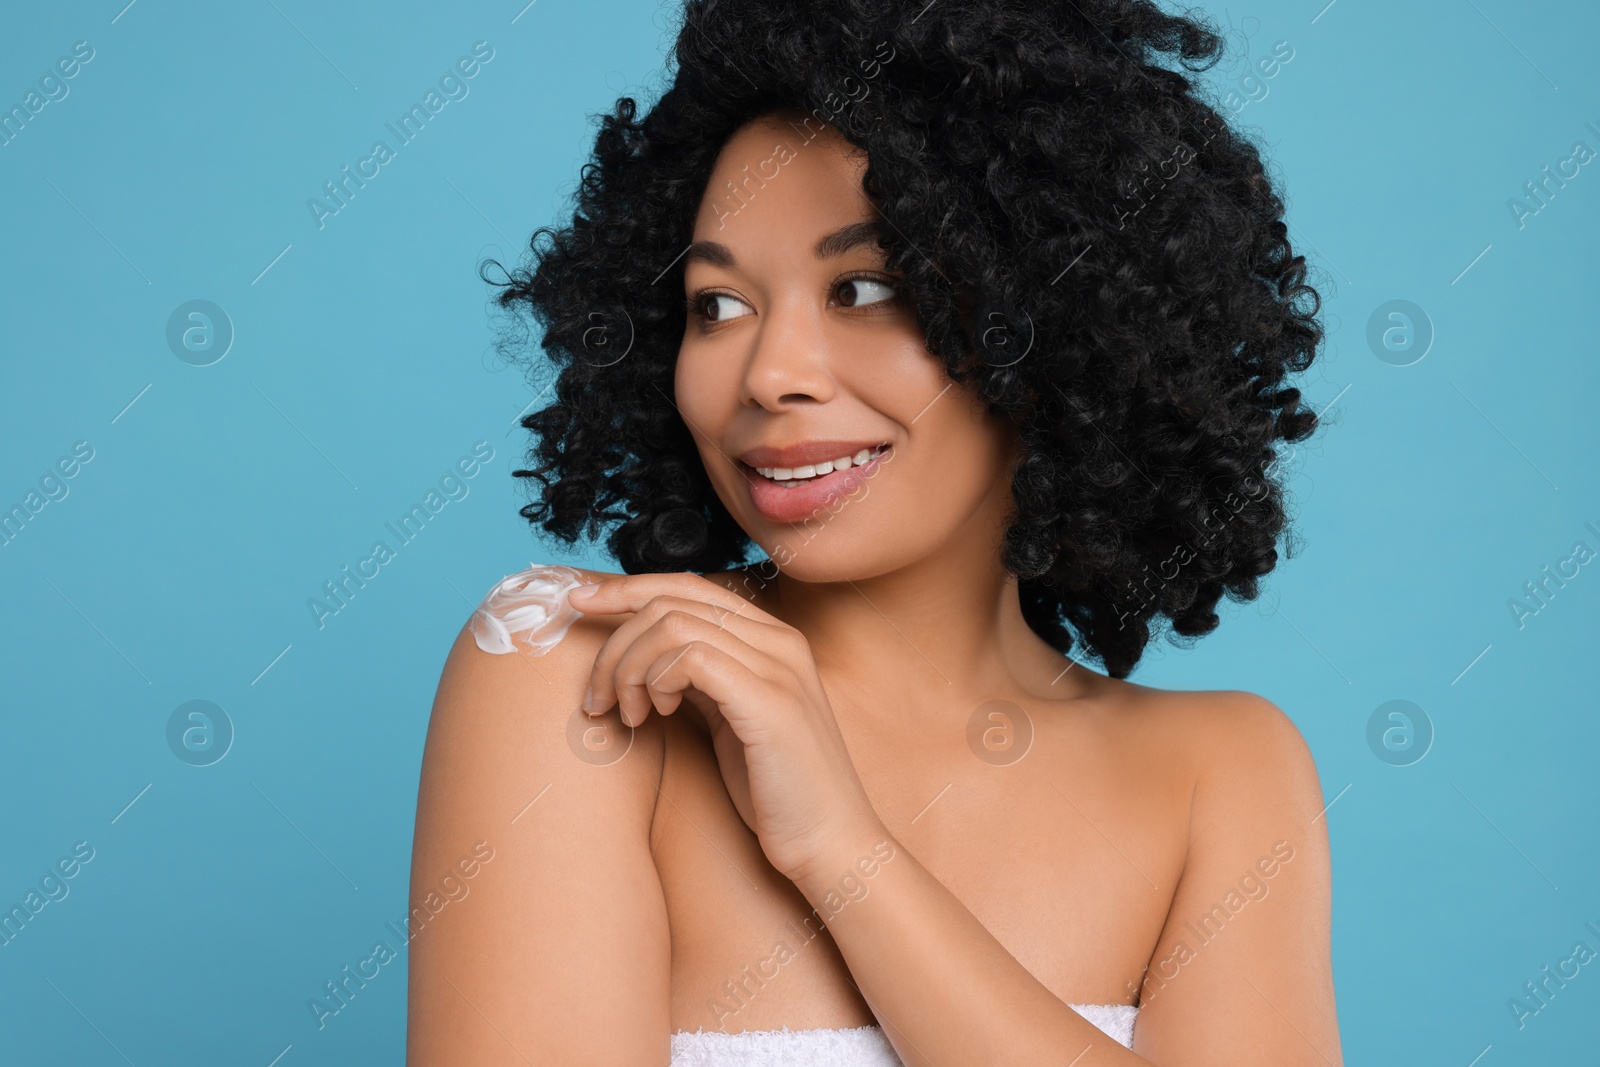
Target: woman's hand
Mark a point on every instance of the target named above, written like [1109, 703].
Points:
[753, 680]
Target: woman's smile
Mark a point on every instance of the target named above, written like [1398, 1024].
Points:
[787, 488]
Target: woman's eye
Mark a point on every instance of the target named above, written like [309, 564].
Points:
[858, 291]
[720, 306]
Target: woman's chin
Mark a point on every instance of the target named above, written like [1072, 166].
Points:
[818, 555]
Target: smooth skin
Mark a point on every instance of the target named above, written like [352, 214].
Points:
[776, 750]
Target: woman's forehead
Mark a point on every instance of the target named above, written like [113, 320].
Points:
[777, 178]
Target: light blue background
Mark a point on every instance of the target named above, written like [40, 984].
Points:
[179, 565]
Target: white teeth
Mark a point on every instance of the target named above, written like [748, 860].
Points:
[790, 477]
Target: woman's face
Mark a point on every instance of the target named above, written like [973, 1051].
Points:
[798, 351]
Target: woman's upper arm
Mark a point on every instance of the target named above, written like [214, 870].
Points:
[555, 949]
[1242, 973]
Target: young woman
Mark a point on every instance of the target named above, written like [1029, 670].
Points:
[974, 320]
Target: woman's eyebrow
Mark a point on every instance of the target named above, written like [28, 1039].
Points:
[845, 238]
[834, 244]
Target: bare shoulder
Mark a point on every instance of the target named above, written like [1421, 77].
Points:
[569, 900]
[1257, 866]
[1217, 737]
[523, 651]
[507, 704]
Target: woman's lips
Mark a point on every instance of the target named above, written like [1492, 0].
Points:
[779, 504]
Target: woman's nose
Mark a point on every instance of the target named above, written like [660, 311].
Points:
[790, 361]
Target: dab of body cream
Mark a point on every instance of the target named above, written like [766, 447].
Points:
[531, 603]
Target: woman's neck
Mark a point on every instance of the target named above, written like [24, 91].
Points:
[936, 633]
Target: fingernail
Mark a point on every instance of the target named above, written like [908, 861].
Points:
[582, 592]
[588, 698]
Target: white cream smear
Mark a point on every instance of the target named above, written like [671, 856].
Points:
[530, 605]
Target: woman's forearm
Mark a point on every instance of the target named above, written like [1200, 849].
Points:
[946, 992]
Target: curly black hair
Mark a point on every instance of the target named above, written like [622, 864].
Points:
[1082, 235]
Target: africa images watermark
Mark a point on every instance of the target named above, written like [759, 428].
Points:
[53, 88]
[53, 888]
[1144, 189]
[1540, 592]
[452, 487]
[756, 577]
[737, 993]
[453, 87]
[1539, 192]
[833, 105]
[1252, 887]
[337, 995]
[1539, 994]
[1251, 87]
[1253, 490]
[52, 487]
[785, 552]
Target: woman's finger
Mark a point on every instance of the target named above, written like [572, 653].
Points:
[666, 639]
[631, 592]
[602, 690]
[708, 666]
